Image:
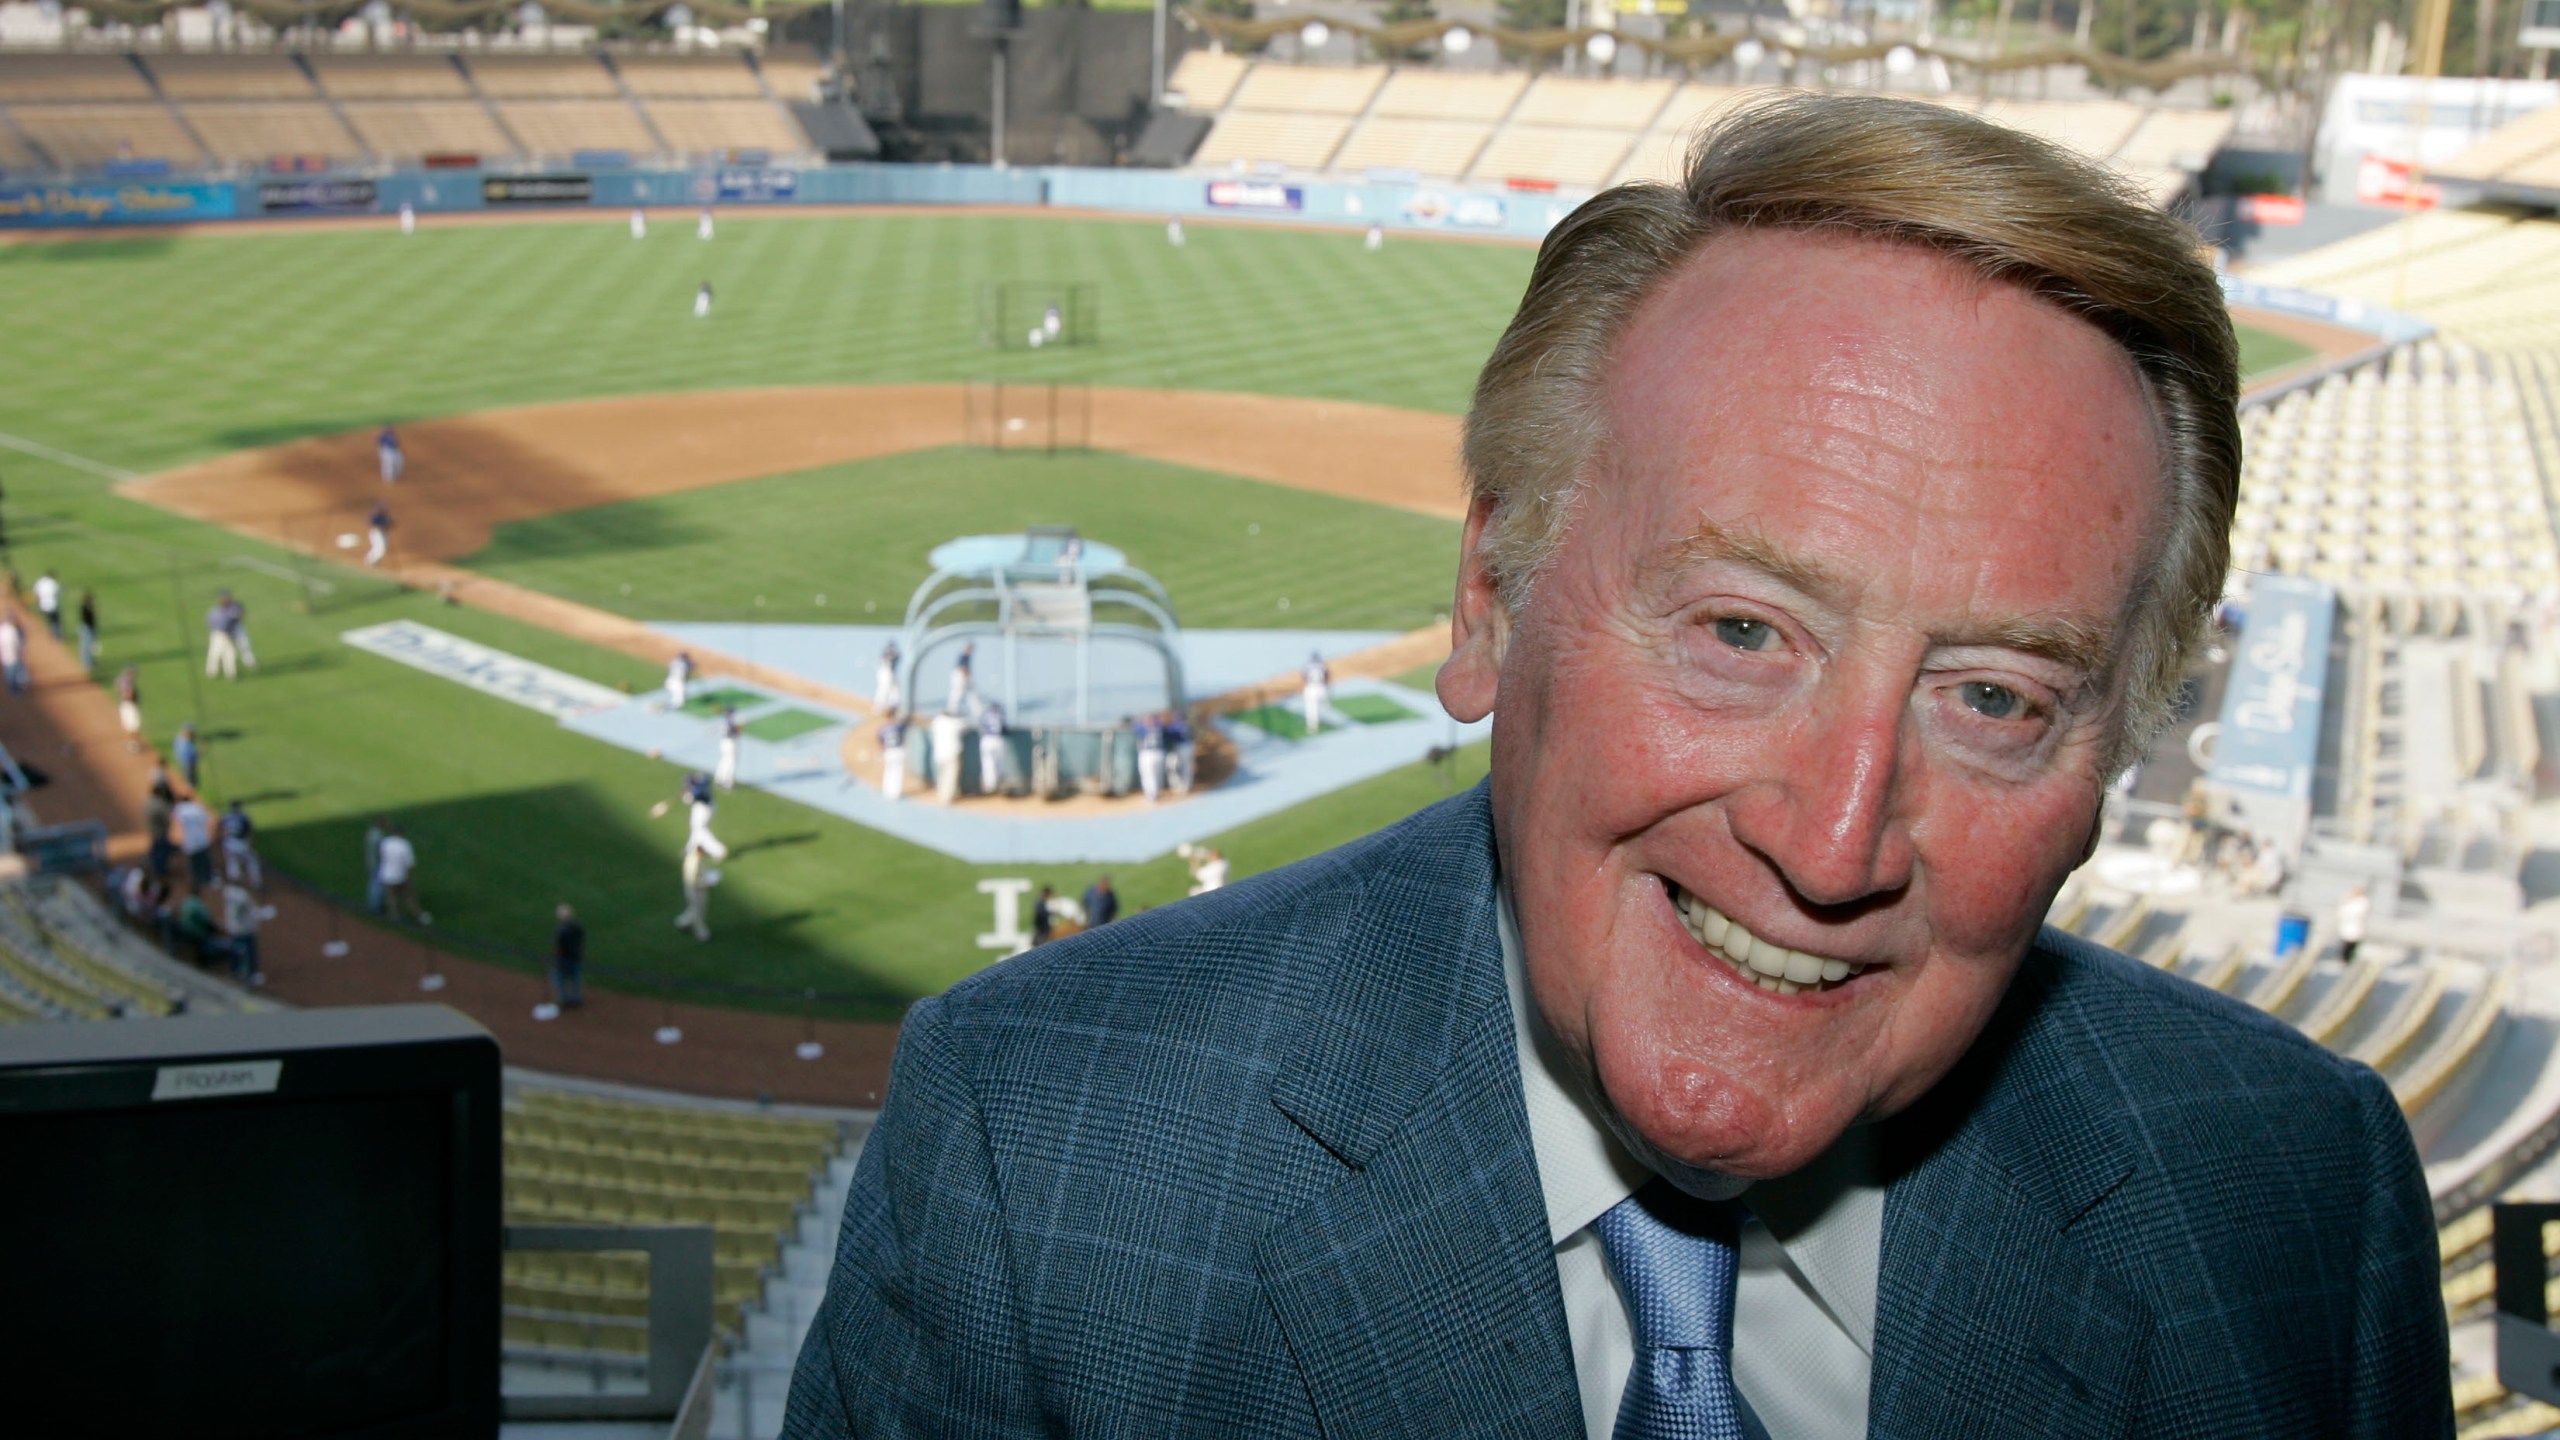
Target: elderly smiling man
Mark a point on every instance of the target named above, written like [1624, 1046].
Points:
[1842, 520]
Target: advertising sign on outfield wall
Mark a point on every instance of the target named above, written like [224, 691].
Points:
[1476, 212]
[113, 204]
[537, 189]
[315, 195]
[1255, 195]
[757, 184]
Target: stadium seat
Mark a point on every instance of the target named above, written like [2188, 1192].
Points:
[528, 77]
[1309, 89]
[390, 77]
[228, 77]
[1566, 156]
[1205, 80]
[1625, 106]
[566, 127]
[406, 130]
[26, 79]
[667, 77]
[714, 127]
[1298, 142]
[88, 135]
[1419, 94]
[247, 133]
[1435, 149]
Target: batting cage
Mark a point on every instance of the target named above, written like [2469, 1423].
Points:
[1043, 415]
[1038, 314]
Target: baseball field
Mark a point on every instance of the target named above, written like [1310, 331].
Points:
[254, 363]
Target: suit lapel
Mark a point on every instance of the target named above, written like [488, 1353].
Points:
[1419, 1293]
[1991, 1319]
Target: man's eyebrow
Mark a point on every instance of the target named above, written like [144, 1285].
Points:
[2059, 638]
[2063, 639]
[1711, 541]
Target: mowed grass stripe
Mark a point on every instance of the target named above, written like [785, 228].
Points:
[1228, 550]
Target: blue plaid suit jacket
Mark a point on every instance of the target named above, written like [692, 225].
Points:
[1257, 1164]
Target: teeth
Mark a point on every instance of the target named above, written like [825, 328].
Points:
[1771, 966]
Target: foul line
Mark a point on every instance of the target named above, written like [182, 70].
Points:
[271, 568]
[63, 457]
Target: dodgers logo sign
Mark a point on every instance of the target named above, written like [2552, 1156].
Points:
[1255, 195]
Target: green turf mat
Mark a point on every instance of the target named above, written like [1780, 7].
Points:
[784, 725]
[1281, 722]
[1371, 709]
[708, 703]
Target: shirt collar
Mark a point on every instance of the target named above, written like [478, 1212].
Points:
[1827, 1218]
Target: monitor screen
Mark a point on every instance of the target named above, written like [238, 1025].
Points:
[280, 1224]
[247, 1265]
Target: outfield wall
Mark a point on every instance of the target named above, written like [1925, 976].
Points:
[1522, 215]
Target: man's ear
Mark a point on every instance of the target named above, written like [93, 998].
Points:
[1479, 627]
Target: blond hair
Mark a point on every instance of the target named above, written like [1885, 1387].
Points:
[2012, 208]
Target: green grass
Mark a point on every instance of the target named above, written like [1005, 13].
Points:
[784, 725]
[707, 704]
[1230, 551]
[142, 352]
[1371, 709]
[1287, 720]
[2264, 352]
[138, 353]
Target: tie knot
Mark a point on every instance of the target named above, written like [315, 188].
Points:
[1674, 1257]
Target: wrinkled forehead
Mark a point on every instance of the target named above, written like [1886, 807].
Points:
[1887, 362]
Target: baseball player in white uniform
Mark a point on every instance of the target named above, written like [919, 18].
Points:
[702, 301]
[964, 681]
[408, 218]
[699, 806]
[702, 224]
[725, 774]
[377, 532]
[950, 736]
[1319, 688]
[1377, 237]
[991, 749]
[884, 684]
[639, 224]
[699, 876]
[1150, 757]
[679, 676]
[1173, 232]
[388, 454]
[893, 755]
[49, 602]
[1051, 321]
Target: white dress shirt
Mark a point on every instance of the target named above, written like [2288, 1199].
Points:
[1805, 1303]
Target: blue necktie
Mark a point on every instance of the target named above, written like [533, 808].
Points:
[1674, 1259]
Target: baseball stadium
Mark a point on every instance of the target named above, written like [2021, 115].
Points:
[876, 485]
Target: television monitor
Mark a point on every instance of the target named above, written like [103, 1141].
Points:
[276, 1224]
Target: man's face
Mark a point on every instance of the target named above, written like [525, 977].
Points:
[1824, 657]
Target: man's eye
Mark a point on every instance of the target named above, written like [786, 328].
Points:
[1743, 633]
[1996, 702]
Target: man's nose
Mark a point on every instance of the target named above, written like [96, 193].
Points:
[1828, 811]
